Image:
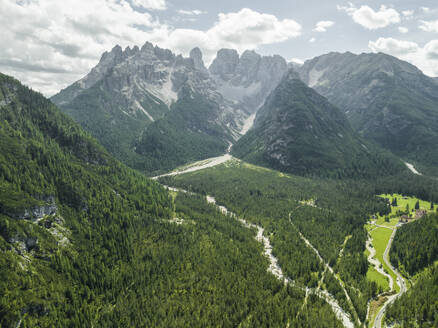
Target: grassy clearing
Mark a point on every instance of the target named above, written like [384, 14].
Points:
[402, 202]
[380, 238]
[380, 280]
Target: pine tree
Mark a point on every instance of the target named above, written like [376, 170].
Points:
[417, 205]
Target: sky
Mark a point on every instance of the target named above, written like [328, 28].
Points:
[49, 44]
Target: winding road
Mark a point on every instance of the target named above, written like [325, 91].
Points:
[400, 281]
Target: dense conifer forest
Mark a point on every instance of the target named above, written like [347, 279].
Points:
[114, 248]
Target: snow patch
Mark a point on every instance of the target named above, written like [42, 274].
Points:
[314, 76]
[249, 122]
[412, 168]
[140, 107]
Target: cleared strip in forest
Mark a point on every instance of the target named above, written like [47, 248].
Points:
[341, 283]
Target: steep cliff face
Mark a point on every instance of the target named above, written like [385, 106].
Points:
[388, 101]
[247, 79]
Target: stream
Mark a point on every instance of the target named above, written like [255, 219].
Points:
[274, 267]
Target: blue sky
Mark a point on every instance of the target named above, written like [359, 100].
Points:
[48, 44]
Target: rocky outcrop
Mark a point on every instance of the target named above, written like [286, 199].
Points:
[225, 63]
[34, 213]
[23, 243]
[196, 56]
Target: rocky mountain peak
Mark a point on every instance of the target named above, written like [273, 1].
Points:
[247, 79]
[196, 55]
[248, 64]
[225, 63]
[147, 47]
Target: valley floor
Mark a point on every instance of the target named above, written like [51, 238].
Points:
[381, 233]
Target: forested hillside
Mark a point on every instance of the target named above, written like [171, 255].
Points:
[86, 242]
[330, 214]
[419, 306]
[415, 251]
[185, 134]
[416, 245]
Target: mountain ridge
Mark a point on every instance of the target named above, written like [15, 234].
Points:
[299, 131]
[387, 100]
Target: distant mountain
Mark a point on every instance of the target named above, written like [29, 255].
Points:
[386, 100]
[140, 103]
[299, 131]
[247, 79]
[122, 99]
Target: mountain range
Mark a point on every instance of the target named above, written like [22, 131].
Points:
[155, 110]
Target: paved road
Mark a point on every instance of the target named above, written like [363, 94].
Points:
[400, 281]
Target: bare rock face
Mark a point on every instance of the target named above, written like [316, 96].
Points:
[225, 63]
[196, 56]
[247, 79]
[37, 212]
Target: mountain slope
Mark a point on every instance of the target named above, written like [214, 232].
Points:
[185, 134]
[299, 131]
[64, 202]
[130, 90]
[386, 100]
[85, 241]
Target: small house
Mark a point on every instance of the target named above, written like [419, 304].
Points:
[420, 213]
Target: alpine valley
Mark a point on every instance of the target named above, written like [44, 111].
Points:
[158, 192]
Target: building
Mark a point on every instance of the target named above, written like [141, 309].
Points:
[420, 213]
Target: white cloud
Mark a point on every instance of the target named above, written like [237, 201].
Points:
[322, 26]
[431, 50]
[150, 4]
[245, 29]
[425, 58]
[371, 19]
[429, 26]
[407, 13]
[297, 61]
[425, 9]
[403, 30]
[62, 40]
[49, 44]
[195, 12]
[393, 46]
[312, 40]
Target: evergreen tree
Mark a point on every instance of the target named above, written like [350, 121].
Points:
[417, 205]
